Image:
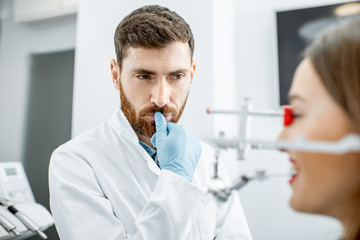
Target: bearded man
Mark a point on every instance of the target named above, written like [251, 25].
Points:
[140, 175]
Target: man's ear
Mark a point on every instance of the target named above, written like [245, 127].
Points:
[193, 68]
[115, 74]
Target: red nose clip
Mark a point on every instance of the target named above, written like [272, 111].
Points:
[288, 115]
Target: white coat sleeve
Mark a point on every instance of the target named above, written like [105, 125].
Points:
[81, 211]
[231, 220]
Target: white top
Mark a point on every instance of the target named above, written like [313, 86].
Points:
[104, 185]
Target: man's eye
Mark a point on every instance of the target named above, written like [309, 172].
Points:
[143, 76]
[177, 76]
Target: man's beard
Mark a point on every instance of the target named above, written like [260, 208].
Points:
[139, 123]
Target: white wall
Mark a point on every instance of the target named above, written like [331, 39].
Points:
[94, 95]
[236, 56]
[17, 43]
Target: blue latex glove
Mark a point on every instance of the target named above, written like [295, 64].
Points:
[178, 150]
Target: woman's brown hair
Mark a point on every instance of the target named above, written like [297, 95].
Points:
[335, 54]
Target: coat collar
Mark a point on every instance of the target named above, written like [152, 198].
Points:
[121, 125]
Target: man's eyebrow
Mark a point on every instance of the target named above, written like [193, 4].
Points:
[178, 71]
[141, 70]
[293, 97]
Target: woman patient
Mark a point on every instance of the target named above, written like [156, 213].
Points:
[325, 97]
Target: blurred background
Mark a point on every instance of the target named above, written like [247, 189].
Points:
[55, 83]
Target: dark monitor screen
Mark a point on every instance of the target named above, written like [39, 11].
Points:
[296, 29]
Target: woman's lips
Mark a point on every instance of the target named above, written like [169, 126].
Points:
[295, 170]
[293, 178]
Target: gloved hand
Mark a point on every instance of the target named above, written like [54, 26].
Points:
[178, 150]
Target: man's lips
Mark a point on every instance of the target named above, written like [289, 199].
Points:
[168, 116]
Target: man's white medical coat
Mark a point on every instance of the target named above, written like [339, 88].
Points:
[104, 185]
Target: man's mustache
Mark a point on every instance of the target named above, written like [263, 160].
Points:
[153, 110]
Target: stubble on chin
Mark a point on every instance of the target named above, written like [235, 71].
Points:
[141, 124]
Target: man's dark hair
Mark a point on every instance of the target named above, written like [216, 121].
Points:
[151, 26]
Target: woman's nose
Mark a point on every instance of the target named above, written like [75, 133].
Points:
[281, 135]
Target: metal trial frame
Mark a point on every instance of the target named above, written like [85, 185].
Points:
[349, 143]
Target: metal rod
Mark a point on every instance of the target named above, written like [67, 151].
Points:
[349, 143]
[264, 112]
[224, 193]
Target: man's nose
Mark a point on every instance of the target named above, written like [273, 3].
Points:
[160, 93]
